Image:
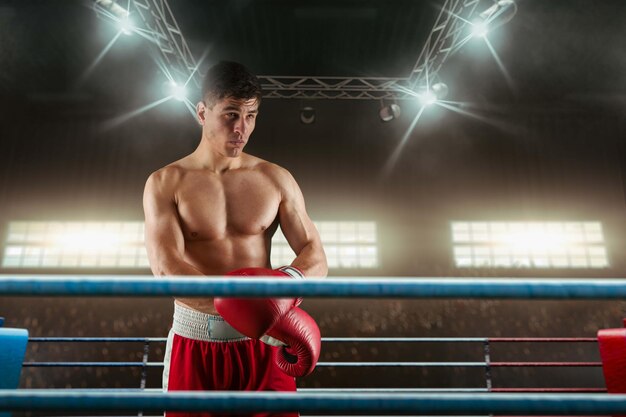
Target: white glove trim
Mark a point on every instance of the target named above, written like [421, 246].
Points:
[269, 340]
[292, 271]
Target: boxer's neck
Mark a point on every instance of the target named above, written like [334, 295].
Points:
[206, 157]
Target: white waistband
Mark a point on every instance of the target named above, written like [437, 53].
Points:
[195, 325]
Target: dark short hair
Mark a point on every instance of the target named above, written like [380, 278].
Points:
[229, 79]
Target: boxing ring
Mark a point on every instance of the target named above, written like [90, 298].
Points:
[488, 399]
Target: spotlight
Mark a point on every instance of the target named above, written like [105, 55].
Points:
[179, 92]
[126, 25]
[440, 90]
[110, 10]
[307, 115]
[388, 113]
[479, 29]
[501, 12]
[175, 90]
[428, 98]
[503, 9]
[111, 7]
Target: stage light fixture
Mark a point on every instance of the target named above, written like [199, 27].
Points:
[427, 98]
[112, 7]
[440, 90]
[307, 115]
[390, 112]
[110, 10]
[126, 25]
[501, 12]
[177, 91]
[479, 29]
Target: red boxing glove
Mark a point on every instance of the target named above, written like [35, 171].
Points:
[299, 332]
[253, 317]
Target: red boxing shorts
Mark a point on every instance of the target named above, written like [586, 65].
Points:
[203, 352]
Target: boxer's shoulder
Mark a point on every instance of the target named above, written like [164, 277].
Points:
[274, 171]
[171, 180]
[167, 176]
[267, 169]
[180, 170]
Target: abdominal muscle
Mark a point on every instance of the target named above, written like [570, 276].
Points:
[219, 257]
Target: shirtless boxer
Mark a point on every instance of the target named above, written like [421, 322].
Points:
[214, 212]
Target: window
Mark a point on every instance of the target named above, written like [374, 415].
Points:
[75, 245]
[347, 245]
[529, 245]
[121, 245]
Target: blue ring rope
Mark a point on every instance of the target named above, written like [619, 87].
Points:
[92, 364]
[84, 339]
[242, 402]
[87, 339]
[374, 287]
[352, 364]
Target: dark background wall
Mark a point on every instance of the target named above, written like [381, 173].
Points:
[548, 147]
[535, 165]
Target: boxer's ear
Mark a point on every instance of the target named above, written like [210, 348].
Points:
[201, 112]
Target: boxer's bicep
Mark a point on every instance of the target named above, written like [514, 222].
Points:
[295, 222]
[163, 236]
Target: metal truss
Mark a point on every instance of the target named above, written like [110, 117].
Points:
[334, 87]
[443, 40]
[159, 19]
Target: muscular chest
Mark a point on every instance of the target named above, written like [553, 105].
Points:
[212, 207]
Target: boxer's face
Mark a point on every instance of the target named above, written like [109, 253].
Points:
[228, 124]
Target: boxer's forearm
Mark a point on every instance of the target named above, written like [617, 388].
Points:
[168, 265]
[312, 260]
